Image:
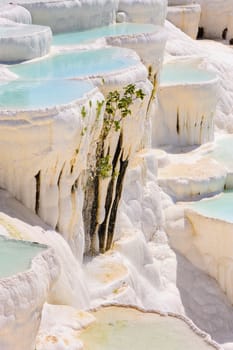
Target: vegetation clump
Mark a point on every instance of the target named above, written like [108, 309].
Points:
[111, 165]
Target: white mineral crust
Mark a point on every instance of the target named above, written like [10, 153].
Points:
[15, 13]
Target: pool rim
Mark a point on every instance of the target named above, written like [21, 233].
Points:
[205, 336]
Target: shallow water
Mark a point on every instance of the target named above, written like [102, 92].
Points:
[39, 94]
[120, 328]
[218, 207]
[16, 256]
[222, 151]
[75, 64]
[177, 73]
[111, 30]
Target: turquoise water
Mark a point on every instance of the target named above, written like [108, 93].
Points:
[218, 207]
[92, 34]
[127, 329]
[40, 94]
[75, 64]
[16, 256]
[177, 73]
[223, 151]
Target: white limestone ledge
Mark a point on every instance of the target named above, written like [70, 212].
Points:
[186, 18]
[213, 240]
[22, 297]
[70, 287]
[19, 42]
[71, 15]
[142, 11]
[149, 46]
[187, 99]
[216, 19]
[196, 178]
[50, 170]
[180, 2]
[59, 327]
[15, 13]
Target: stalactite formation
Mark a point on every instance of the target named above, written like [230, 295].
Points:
[37, 201]
[177, 122]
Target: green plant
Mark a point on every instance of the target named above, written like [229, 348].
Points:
[104, 166]
[83, 111]
[118, 106]
[149, 72]
[99, 108]
[83, 131]
[111, 163]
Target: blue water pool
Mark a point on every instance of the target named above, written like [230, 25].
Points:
[111, 30]
[180, 73]
[16, 256]
[76, 64]
[218, 207]
[222, 151]
[40, 94]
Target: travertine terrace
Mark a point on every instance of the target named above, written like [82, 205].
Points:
[116, 174]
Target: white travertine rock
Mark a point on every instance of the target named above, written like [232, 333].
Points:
[70, 287]
[187, 99]
[5, 21]
[217, 58]
[71, 15]
[19, 42]
[186, 18]
[149, 46]
[71, 151]
[201, 294]
[60, 140]
[22, 298]
[196, 178]
[204, 302]
[180, 2]
[147, 278]
[213, 240]
[6, 74]
[142, 268]
[15, 13]
[216, 18]
[142, 11]
[59, 327]
[140, 228]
